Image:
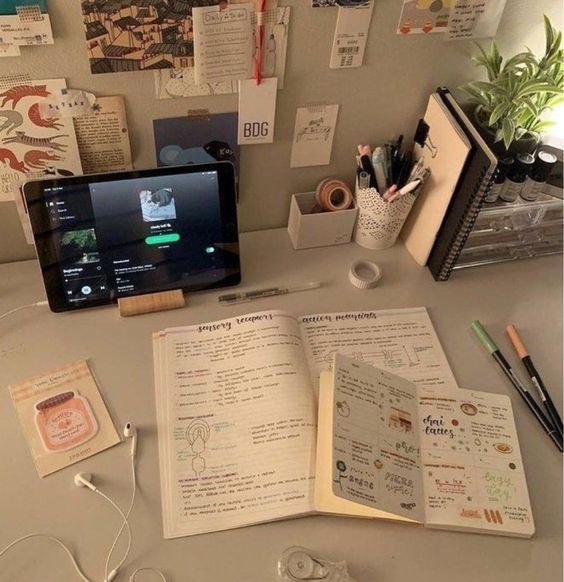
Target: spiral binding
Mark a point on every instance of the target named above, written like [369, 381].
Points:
[466, 224]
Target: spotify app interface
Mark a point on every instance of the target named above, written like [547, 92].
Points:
[128, 237]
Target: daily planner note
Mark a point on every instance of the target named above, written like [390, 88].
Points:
[447, 458]
[237, 406]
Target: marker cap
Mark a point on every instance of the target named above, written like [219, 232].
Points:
[517, 342]
[483, 336]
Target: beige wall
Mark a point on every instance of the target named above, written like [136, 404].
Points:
[378, 101]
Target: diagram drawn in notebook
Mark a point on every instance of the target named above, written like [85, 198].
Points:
[196, 434]
[404, 355]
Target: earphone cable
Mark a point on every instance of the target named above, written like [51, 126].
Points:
[127, 514]
[53, 539]
[111, 575]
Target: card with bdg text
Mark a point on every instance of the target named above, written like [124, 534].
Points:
[63, 417]
[257, 110]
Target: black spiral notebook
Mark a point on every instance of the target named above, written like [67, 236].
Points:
[472, 188]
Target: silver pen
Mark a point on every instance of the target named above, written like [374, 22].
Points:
[246, 296]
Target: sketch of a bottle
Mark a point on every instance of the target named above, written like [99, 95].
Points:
[269, 60]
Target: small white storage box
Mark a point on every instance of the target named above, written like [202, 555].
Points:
[320, 229]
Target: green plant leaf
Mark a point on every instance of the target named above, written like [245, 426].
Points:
[508, 131]
[498, 112]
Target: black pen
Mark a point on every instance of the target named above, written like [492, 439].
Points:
[492, 348]
[536, 379]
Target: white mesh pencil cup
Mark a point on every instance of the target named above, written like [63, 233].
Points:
[379, 223]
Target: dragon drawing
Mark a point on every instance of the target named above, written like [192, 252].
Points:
[13, 120]
[38, 159]
[8, 157]
[36, 119]
[37, 142]
[15, 94]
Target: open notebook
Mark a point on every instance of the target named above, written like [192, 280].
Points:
[389, 449]
[237, 408]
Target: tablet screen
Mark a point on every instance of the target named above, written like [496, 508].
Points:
[116, 235]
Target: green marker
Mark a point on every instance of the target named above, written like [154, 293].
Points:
[492, 348]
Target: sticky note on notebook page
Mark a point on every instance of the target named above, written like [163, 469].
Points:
[257, 110]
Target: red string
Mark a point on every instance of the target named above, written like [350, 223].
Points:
[260, 30]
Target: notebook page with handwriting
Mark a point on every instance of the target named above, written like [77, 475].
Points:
[236, 423]
[401, 341]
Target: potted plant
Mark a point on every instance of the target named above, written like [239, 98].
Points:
[511, 106]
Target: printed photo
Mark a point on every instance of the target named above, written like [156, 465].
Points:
[157, 205]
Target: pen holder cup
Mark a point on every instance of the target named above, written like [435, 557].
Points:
[379, 223]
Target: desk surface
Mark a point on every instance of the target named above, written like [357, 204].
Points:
[527, 293]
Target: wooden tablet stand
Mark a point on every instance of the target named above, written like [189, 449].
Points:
[151, 302]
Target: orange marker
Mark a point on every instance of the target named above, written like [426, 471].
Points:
[523, 354]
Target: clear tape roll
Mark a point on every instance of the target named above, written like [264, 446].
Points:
[333, 194]
[364, 274]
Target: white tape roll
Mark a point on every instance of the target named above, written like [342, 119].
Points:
[364, 274]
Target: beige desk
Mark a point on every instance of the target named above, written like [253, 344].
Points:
[527, 293]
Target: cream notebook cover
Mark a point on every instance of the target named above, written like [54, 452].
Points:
[445, 152]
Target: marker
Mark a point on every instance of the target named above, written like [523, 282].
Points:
[363, 179]
[379, 165]
[366, 163]
[492, 348]
[391, 191]
[536, 379]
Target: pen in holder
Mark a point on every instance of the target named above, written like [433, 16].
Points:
[379, 222]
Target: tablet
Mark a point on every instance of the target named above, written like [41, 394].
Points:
[107, 236]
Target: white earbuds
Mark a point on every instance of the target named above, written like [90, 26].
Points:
[130, 432]
[84, 480]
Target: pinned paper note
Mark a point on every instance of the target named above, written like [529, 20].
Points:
[32, 147]
[313, 135]
[475, 19]
[351, 34]
[223, 41]
[171, 83]
[424, 16]
[25, 22]
[257, 110]
[66, 103]
[103, 137]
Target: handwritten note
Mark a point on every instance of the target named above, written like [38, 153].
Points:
[223, 41]
[313, 135]
[475, 19]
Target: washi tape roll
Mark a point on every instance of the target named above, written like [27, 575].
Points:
[333, 194]
[364, 274]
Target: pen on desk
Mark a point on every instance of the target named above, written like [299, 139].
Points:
[246, 296]
[492, 348]
[536, 379]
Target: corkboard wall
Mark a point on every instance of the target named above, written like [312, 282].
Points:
[378, 101]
